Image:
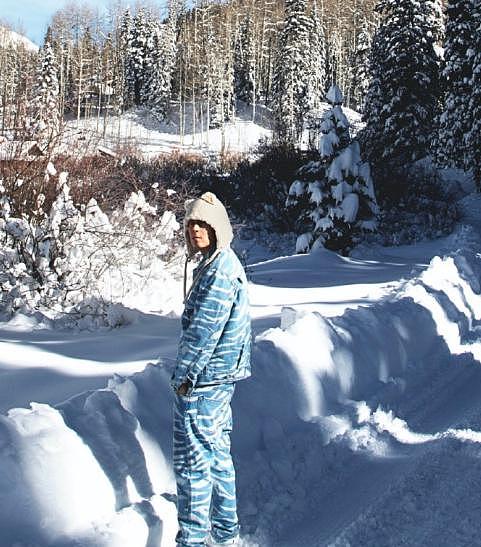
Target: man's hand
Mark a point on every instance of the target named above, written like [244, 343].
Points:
[183, 388]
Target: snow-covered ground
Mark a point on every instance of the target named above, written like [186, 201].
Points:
[138, 129]
[11, 38]
[361, 425]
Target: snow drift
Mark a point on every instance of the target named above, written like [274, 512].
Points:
[326, 392]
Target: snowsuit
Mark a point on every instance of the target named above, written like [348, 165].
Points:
[213, 354]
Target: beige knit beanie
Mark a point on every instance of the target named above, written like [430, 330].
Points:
[209, 209]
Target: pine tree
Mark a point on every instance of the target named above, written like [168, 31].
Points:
[45, 113]
[48, 38]
[159, 80]
[403, 96]
[290, 101]
[153, 77]
[152, 66]
[316, 60]
[455, 123]
[334, 57]
[244, 59]
[210, 67]
[126, 79]
[214, 87]
[138, 47]
[267, 45]
[360, 82]
[473, 138]
[334, 196]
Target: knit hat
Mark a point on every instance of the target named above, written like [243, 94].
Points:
[209, 209]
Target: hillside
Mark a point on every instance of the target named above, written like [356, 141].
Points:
[14, 39]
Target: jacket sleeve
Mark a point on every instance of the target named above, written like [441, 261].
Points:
[212, 308]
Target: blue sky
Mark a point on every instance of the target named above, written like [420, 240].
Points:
[33, 16]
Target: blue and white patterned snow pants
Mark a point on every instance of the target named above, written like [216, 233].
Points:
[206, 497]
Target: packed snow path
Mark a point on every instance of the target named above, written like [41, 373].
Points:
[360, 426]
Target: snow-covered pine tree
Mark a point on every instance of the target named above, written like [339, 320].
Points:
[138, 51]
[159, 85]
[228, 90]
[219, 81]
[403, 97]
[244, 61]
[334, 196]
[151, 57]
[267, 40]
[215, 71]
[360, 83]
[455, 122]
[157, 88]
[48, 38]
[290, 96]
[45, 116]
[126, 79]
[316, 60]
[473, 138]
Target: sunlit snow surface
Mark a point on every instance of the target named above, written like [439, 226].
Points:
[10, 38]
[139, 129]
[361, 425]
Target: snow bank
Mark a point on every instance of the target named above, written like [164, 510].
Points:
[377, 348]
[98, 467]
[94, 467]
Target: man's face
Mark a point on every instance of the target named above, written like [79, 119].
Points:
[201, 235]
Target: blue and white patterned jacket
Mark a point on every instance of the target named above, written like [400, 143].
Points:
[215, 344]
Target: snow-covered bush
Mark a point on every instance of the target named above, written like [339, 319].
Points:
[333, 196]
[77, 261]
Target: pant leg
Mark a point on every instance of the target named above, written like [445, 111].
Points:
[203, 465]
[192, 462]
[224, 522]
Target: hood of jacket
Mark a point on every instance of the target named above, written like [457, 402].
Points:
[209, 209]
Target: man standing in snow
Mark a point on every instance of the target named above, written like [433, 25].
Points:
[214, 353]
